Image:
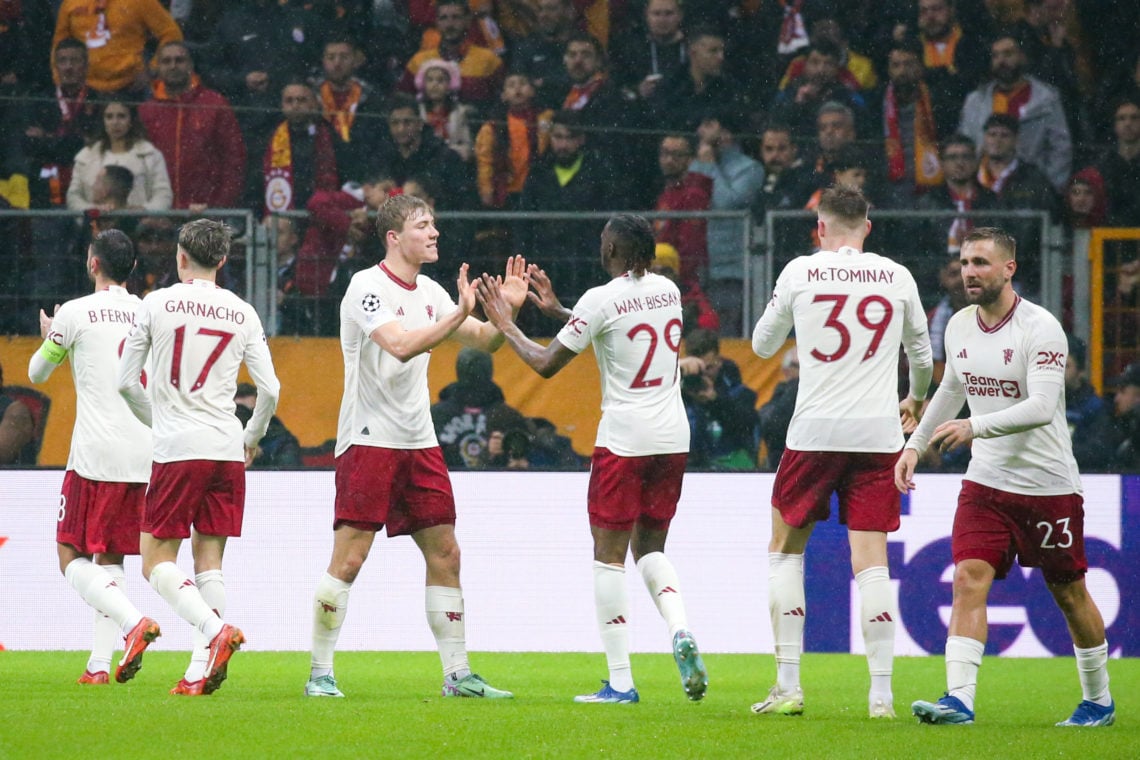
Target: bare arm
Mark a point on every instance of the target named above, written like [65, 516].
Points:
[408, 344]
[16, 429]
[545, 360]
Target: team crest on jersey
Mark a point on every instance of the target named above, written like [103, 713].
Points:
[370, 303]
[1007, 355]
[430, 311]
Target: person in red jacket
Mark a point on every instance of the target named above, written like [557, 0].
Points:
[684, 191]
[338, 230]
[197, 132]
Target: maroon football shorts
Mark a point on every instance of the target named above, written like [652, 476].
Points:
[864, 482]
[634, 490]
[1042, 531]
[100, 517]
[406, 490]
[204, 493]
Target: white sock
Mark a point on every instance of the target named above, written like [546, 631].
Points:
[1092, 667]
[107, 634]
[97, 587]
[661, 580]
[963, 658]
[176, 588]
[786, 607]
[330, 605]
[879, 614]
[444, 607]
[212, 587]
[612, 608]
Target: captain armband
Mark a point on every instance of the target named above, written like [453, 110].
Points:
[53, 352]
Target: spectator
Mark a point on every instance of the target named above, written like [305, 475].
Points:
[696, 309]
[480, 69]
[834, 131]
[351, 106]
[413, 148]
[294, 317]
[468, 411]
[1086, 203]
[953, 300]
[684, 191]
[483, 29]
[1120, 165]
[538, 55]
[720, 407]
[959, 191]
[1125, 440]
[437, 89]
[57, 124]
[737, 180]
[690, 91]
[799, 103]
[855, 71]
[508, 145]
[17, 430]
[257, 47]
[646, 57]
[278, 449]
[1090, 422]
[914, 120]
[338, 239]
[776, 415]
[1019, 184]
[1043, 138]
[787, 182]
[116, 35]
[156, 243]
[120, 142]
[955, 61]
[301, 156]
[197, 132]
[849, 169]
[568, 177]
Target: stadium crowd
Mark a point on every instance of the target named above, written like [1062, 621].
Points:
[331, 106]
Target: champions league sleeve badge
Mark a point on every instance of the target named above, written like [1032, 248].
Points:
[370, 303]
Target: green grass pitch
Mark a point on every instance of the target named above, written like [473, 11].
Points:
[393, 709]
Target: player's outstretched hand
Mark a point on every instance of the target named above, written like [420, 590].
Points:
[904, 470]
[514, 282]
[910, 413]
[489, 291]
[45, 322]
[466, 291]
[542, 294]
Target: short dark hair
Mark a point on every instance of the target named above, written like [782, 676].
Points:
[1124, 100]
[397, 210]
[634, 240]
[116, 254]
[959, 139]
[701, 341]
[402, 101]
[779, 126]
[70, 43]
[180, 43]
[572, 120]
[1005, 120]
[1001, 239]
[344, 39]
[907, 44]
[206, 241]
[1008, 33]
[460, 3]
[121, 180]
[702, 30]
[590, 40]
[826, 47]
[686, 137]
[846, 204]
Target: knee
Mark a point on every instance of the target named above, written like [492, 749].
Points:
[970, 581]
[445, 558]
[348, 567]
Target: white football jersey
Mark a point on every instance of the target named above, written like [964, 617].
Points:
[108, 443]
[198, 335]
[386, 402]
[634, 324]
[994, 369]
[850, 311]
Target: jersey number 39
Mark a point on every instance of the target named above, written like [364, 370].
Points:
[863, 314]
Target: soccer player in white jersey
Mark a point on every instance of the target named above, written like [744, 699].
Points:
[634, 325]
[104, 487]
[850, 309]
[197, 335]
[1022, 492]
[390, 471]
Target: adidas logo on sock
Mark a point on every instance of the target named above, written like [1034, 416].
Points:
[667, 590]
[883, 617]
[619, 620]
[326, 607]
[797, 612]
